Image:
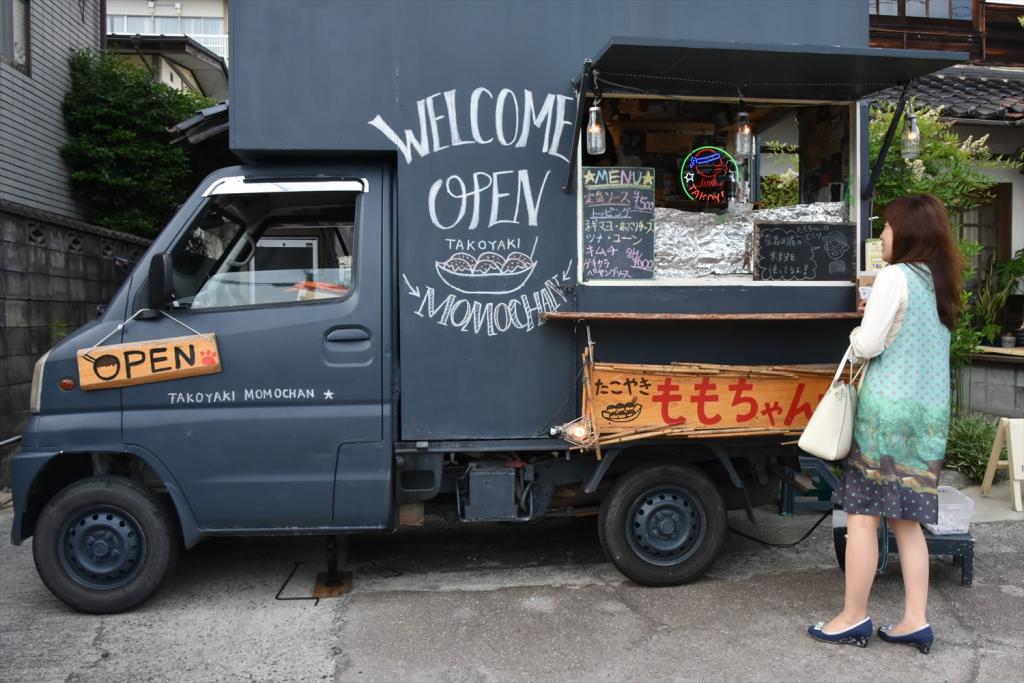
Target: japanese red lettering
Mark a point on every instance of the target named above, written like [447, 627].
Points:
[771, 410]
[741, 386]
[665, 396]
[796, 407]
[701, 398]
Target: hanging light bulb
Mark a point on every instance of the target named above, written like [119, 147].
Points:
[595, 130]
[743, 134]
[910, 147]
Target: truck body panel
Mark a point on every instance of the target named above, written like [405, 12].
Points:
[474, 100]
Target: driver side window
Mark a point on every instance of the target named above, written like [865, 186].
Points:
[256, 249]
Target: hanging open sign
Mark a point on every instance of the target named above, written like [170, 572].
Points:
[160, 360]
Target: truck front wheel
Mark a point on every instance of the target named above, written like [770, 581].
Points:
[663, 525]
[104, 545]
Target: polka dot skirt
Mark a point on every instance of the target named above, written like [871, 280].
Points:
[862, 496]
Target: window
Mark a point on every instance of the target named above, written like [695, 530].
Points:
[116, 23]
[884, 7]
[202, 25]
[989, 225]
[940, 10]
[15, 23]
[707, 197]
[135, 24]
[167, 26]
[191, 25]
[213, 25]
[275, 248]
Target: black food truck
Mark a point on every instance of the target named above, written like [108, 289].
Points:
[448, 213]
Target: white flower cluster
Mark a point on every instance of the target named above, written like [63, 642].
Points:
[974, 147]
[917, 169]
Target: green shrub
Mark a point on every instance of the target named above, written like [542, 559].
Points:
[971, 436]
[123, 167]
[780, 190]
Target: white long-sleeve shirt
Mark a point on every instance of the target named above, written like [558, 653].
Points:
[883, 315]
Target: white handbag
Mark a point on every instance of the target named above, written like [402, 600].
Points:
[829, 432]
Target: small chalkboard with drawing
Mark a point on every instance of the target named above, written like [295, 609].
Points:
[805, 251]
[618, 223]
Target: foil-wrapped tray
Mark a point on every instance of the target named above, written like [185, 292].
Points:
[689, 244]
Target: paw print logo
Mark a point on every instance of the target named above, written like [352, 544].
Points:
[207, 357]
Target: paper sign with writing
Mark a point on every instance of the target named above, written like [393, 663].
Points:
[874, 260]
[646, 399]
[160, 360]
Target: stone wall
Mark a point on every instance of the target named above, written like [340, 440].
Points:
[54, 272]
[994, 386]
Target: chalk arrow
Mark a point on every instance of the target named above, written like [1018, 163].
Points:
[565, 273]
[415, 291]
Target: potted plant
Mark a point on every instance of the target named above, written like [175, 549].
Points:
[990, 299]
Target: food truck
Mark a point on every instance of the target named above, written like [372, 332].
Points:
[502, 259]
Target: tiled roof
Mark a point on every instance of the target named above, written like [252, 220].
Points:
[970, 92]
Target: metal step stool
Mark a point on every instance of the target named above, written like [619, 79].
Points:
[821, 471]
[959, 546]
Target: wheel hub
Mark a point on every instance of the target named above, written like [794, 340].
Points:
[102, 548]
[667, 525]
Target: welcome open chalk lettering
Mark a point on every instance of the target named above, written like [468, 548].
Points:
[476, 266]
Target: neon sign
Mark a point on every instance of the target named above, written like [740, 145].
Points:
[706, 173]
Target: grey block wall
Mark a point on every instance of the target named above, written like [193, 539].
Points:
[54, 271]
[995, 387]
[32, 131]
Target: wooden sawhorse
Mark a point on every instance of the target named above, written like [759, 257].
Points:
[1011, 433]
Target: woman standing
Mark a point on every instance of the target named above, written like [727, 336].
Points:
[902, 417]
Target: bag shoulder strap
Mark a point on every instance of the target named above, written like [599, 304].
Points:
[848, 358]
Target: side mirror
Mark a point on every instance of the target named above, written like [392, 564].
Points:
[160, 282]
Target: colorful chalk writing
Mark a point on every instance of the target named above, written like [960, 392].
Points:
[618, 223]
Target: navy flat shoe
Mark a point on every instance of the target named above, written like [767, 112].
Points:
[922, 638]
[858, 634]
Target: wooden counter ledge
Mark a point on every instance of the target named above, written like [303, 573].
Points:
[642, 317]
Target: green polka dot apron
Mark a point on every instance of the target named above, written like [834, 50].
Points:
[899, 435]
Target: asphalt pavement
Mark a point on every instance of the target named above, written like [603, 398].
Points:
[500, 603]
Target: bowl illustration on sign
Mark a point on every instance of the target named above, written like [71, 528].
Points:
[106, 366]
[488, 273]
[622, 412]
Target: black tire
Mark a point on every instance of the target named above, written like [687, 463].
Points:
[662, 525]
[104, 545]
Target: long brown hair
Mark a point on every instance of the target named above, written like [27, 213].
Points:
[921, 234]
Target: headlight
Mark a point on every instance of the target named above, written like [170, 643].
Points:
[35, 397]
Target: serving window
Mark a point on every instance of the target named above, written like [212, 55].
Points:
[672, 200]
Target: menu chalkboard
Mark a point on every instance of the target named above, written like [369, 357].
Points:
[618, 223]
[805, 251]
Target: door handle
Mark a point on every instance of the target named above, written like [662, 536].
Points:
[348, 334]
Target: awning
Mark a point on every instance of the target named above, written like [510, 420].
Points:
[209, 70]
[799, 72]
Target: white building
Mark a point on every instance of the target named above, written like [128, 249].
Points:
[205, 21]
[183, 43]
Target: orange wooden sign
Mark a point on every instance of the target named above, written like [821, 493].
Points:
[160, 360]
[645, 400]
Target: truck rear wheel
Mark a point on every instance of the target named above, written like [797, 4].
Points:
[104, 545]
[663, 525]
